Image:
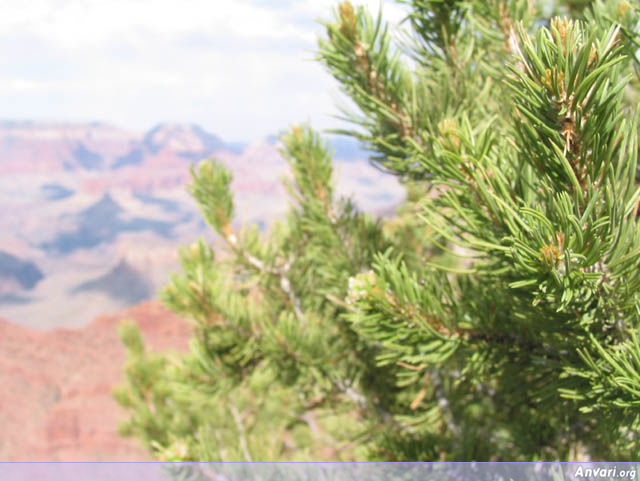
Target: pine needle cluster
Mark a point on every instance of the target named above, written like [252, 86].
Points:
[494, 317]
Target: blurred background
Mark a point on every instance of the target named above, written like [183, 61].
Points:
[104, 106]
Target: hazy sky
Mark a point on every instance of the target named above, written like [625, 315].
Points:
[242, 69]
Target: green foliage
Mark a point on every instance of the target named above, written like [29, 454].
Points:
[494, 317]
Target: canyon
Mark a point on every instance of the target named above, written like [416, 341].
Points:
[91, 215]
[56, 399]
[91, 218]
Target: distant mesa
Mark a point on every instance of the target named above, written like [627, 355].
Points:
[189, 141]
[181, 138]
[211, 142]
[54, 192]
[166, 204]
[101, 223]
[193, 156]
[24, 272]
[88, 159]
[155, 139]
[12, 299]
[123, 283]
[95, 146]
[106, 208]
[134, 157]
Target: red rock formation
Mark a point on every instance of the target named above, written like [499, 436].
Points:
[56, 402]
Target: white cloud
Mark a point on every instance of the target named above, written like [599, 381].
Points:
[238, 67]
[82, 24]
[17, 84]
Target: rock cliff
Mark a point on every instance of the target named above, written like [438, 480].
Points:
[56, 402]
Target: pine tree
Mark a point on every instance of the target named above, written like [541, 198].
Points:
[495, 317]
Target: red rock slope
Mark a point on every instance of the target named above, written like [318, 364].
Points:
[55, 395]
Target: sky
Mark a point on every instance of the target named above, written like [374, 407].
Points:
[242, 69]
